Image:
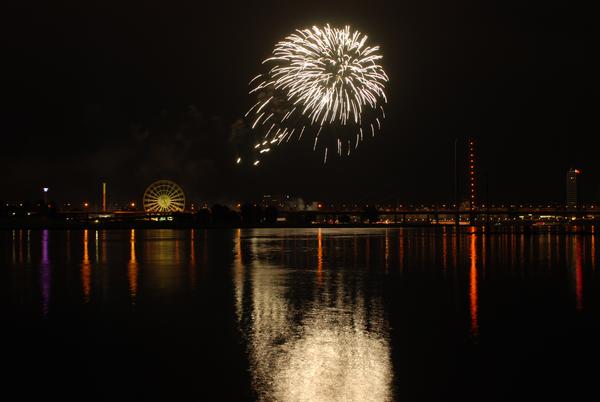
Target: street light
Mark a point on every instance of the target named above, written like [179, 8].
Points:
[45, 195]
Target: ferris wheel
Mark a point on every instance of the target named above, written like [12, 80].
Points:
[164, 196]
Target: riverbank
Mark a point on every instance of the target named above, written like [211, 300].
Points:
[480, 227]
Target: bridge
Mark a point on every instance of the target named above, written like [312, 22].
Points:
[328, 215]
[452, 216]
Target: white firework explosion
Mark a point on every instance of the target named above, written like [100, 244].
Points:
[325, 80]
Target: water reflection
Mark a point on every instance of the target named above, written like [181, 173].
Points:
[14, 247]
[192, 265]
[68, 241]
[484, 241]
[444, 250]
[522, 251]
[132, 269]
[387, 250]
[401, 249]
[96, 248]
[45, 278]
[320, 256]
[593, 249]
[324, 314]
[161, 246]
[332, 355]
[21, 247]
[238, 274]
[319, 347]
[577, 265]
[548, 248]
[28, 246]
[162, 250]
[454, 251]
[473, 287]
[86, 273]
[103, 254]
[192, 246]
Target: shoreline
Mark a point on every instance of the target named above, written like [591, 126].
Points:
[584, 228]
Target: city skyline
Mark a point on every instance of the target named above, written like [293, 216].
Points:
[470, 189]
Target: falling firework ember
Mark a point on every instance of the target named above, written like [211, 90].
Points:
[323, 82]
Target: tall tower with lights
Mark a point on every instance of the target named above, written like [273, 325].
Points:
[572, 187]
[472, 164]
[103, 196]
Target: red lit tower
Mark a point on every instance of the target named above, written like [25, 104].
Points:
[472, 158]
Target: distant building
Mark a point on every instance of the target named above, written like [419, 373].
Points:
[572, 187]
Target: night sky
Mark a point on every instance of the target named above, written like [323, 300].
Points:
[134, 92]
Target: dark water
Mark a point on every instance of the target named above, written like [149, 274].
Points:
[298, 314]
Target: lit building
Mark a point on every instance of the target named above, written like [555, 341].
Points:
[572, 187]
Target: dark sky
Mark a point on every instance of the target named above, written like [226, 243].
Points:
[130, 92]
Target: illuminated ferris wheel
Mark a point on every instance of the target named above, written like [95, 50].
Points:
[164, 196]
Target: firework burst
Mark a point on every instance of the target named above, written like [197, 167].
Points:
[324, 81]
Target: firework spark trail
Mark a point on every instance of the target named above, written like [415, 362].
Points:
[327, 77]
